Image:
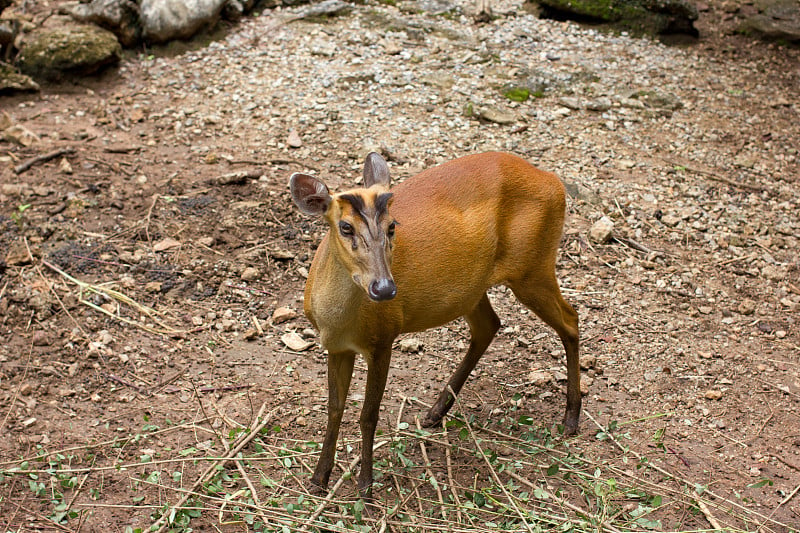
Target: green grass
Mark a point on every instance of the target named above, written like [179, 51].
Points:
[469, 475]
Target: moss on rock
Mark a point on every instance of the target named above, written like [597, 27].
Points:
[638, 16]
[53, 54]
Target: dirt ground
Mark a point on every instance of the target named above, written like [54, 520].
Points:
[689, 316]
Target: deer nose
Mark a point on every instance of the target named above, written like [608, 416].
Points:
[382, 289]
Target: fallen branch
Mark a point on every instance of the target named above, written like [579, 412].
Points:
[492, 470]
[163, 523]
[26, 165]
[137, 388]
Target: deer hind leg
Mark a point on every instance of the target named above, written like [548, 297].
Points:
[483, 324]
[340, 372]
[542, 295]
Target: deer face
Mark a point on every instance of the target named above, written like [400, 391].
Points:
[361, 228]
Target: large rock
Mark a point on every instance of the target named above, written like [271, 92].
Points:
[53, 54]
[12, 81]
[776, 20]
[118, 16]
[639, 16]
[165, 20]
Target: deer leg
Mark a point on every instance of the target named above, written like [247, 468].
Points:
[377, 371]
[543, 297]
[483, 324]
[340, 371]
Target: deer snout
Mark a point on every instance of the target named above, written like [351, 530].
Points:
[382, 289]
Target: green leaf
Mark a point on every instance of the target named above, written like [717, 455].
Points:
[760, 483]
[552, 470]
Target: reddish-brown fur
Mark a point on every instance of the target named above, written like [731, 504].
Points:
[462, 227]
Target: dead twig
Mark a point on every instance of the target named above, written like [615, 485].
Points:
[163, 523]
[26, 165]
[492, 470]
[630, 243]
[714, 177]
[121, 381]
[345, 475]
[431, 478]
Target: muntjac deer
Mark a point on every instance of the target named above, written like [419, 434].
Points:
[420, 256]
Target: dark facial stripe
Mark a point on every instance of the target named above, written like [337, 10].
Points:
[358, 204]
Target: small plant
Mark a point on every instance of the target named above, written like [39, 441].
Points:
[18, 215]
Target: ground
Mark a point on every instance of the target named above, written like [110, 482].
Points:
[143, 268]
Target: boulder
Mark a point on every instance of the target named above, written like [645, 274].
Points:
[776, 20]
[653, 17]
[53, 54]
[121, 17]
[165, 20]
[12, 81]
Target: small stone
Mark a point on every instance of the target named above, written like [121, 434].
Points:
[746, 307]
[283, 314]
[539, 378]
[602, 230]
[705, 310]
[251, 334]
[498, 116]
[40, 338]
[670, 220]
[713, 394]
[64, 166]
[206, 241]
[19, 134]
[281, 255]
[599, 104]
[294, 140]
[17, 255]
[559, 376]
[28, 422]
[773, 273]
[308, 333]
[410, 345]
[301, 421]
[152, 286]
[295, 342]
[197, 320]
[588, 361]
[166, 244]
[26, 389]
[250, 274]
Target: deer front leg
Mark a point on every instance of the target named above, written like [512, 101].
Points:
[340, 371]
[377, 370]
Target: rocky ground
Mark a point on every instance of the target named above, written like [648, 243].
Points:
[170, 189]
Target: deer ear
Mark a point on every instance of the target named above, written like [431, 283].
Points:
[376, 171]
[310, 194]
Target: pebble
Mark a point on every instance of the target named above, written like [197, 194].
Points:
[539, 378]
[294, 140]
[250, 274]
[746, 307]
[602, 230]
[283, 314]
[713, 394]
[588, 361]
[410, 345]
[295, 342]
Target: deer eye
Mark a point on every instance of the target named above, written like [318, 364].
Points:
[390, 229]
[345, 228]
